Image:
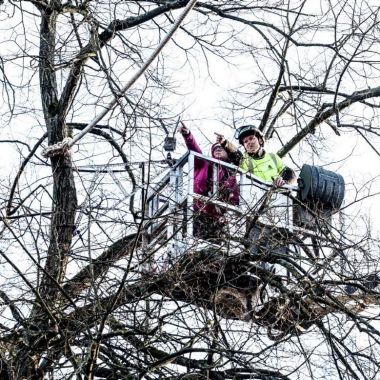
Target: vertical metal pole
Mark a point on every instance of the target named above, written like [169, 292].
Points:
[155, 207]
[190, 197]
[180, 183]
[290, 213]
[181, 211]
[215, 179]
[242, 200]
[143, 206]
[150, 210]
[173, 210]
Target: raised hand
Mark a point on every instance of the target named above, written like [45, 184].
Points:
[220, 138]
[183, 129]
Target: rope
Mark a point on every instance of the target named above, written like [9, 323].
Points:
[61, 147]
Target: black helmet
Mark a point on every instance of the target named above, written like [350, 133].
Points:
[248, 130]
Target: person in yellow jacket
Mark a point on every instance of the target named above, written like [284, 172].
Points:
[269, 167]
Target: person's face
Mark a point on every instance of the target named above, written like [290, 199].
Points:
[220, 154]
[251, 144]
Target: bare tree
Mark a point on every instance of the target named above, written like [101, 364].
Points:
[90, 287]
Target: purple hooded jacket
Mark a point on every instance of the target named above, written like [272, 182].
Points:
[203, 176]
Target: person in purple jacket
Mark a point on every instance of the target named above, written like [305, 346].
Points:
[209, 220]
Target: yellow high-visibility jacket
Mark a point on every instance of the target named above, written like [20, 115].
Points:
[267, 168]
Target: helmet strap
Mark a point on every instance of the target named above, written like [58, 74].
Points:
[259, 154]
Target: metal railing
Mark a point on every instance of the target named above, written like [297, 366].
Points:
[170, 204]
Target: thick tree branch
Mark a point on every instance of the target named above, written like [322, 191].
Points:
[324, 114]
[92, 272]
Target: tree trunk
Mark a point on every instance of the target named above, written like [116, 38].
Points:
[63, 208]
